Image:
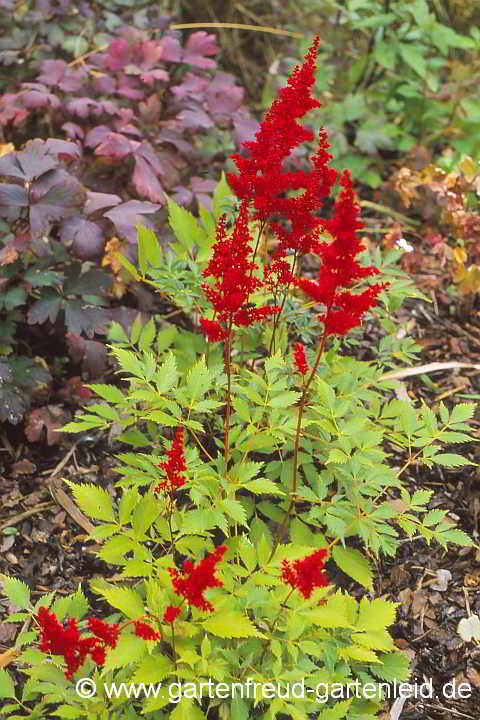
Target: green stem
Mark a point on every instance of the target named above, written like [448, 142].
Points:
[281, 533]
[277, 316]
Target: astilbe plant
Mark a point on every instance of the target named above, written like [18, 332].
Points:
[253, 476]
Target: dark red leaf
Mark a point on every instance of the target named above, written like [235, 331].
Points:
[61, 201]
[92, 354]
[51, 418]
[129, 214]
[99, 201]
[223, 97]
[192, 86]
[146, 182]
[195, 117]
[46, 308]
[116, 145]
[171, 49]
[86, 238]
[35, 160]
[198, 45]
[13, 195]
[81, 107]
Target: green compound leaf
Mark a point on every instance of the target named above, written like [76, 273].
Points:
[375, 614]
[354, 564]
[231, 624]
[337, 712]
[122, 598]
[7, 688]
[394, 667]
[451, 460]
[17, 592]
[94, 501]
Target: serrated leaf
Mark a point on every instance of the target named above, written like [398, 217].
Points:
[394, 667]
[17, 591]
[263, 486]
[462, 412]
[235, 510]
[153, 669]
[108, 392]
[149, 251]
[413, 57]
[354, 564]
[337, 712]
[129, 649]
[451, 460]
[124, 599]
[93, 500]
[336, 456]
[231, 624]
[284, 399]
[7, 688]
[457, 536]
[185, 227]
[376, 614]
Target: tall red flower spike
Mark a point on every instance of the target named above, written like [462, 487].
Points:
[300, 360]
[66, 640]
[145, 631]
[174, 465]
[262, 177]
[198, 579]
[235, 282]
[306, 574]
[340, 269]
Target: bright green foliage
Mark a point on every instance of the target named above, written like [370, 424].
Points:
[349, 498]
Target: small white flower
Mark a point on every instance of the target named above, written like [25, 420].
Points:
[404, 245]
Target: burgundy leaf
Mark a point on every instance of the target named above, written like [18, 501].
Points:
[127, 87]
[171, 49]
[85, 237]
[146, 54]
[60, 202]
[223, 96]
[13, 195]
[58, 73]
[96, 135]
[150, 76]
[34, 160]
[92, 282]
[169, 136]
[245, 128]
[115, 145]
[146, 182]
[198, 45]
[92, 354]
[99, 201]
[81, 107]
[82, 318]
[73, 130]
[194, 118]
[36, 96]
[192, 86]
[127, 215]
[63, 149]
[118, 54]
[163, 163]
[204, 185]
[109, 108]
[49, 418]
[104, 85]
[182, 195]
[47, 308]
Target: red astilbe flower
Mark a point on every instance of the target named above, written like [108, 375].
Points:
[145, 631]
[262, 177]
[235, 282]
[171, 613]
[340, 269]
[64, 640]
[199, 578]
[300, 360]
[306, 574]
[174, 465]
